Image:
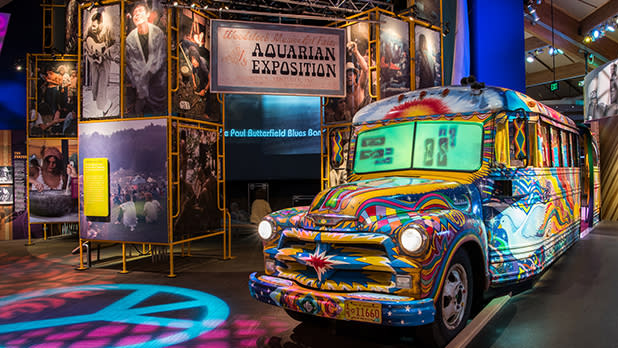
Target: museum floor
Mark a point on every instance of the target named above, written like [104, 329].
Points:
[47, 303]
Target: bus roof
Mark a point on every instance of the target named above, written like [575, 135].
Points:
[454, 100]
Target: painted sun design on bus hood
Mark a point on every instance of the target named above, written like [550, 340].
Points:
[320, 261]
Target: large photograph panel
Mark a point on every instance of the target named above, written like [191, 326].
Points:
[197, 207]
[145, 59]
[54, 114]
[101, 62]
[394, 56]
[427, 57]
[137, 154]
[357, 77]
[193, 98]
[53, 180]
[601, 89]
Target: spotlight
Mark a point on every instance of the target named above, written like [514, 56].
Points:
[551, 51]
[610, 27]
[175, 3]
[19, 67]
[596, 34]
[532, 13]
[530, 58]
[193, 5]
[588, 39]
[559, 51]
[206, 7]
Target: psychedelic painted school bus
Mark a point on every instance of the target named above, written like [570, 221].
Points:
[452, 190]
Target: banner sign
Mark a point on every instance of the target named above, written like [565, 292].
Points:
[277, 59]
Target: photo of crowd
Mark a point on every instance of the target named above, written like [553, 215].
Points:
[427, 45]
[145, 59]
[340, 110]
[137, 155]
[53, 180]
[193, 98]
[197, 206]
[394, 56]
[101, 63]
[54, 112]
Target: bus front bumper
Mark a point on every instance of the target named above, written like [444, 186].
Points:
[371, 307]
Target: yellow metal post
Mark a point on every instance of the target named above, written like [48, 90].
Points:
[124, 260]
[81, 256]
[171, 275]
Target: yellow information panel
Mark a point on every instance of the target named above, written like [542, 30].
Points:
[96, 187]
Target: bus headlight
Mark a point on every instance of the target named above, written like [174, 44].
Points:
[266, 230]
[413, 240]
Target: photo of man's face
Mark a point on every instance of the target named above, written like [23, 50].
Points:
[140, 15]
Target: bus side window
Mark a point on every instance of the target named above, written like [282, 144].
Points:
[565, 148]
[555, 147]
[533, 153]
[518, 149]
[501, 147]
[572, 140]
[544, 145]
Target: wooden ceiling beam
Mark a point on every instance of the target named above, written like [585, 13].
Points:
[569, 26]
[544, 36]
[533, 42]
[599, 16]
[562, 73]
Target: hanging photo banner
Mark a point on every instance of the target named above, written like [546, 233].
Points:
[277, 59]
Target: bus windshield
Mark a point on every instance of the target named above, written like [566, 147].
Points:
[433, 145]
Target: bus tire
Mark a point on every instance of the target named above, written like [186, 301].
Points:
[454, 303]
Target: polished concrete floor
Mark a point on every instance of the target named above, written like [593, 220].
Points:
[45, 302]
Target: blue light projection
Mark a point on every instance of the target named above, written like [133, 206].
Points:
[194, 312]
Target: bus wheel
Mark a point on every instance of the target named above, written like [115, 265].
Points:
[453, 305]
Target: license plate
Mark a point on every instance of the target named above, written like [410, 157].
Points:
[363, 311]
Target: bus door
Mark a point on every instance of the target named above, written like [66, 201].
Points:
[587, 178]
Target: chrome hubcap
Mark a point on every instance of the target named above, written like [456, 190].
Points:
[454, 296]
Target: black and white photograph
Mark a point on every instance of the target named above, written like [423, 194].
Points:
[101, 62]
[341, 110]
[428, 56]
[54, 112]
[6, 195]
[601, 87]
[394, 56]
[193, 98]
[197, 207]
[145, 59]
[6, 175]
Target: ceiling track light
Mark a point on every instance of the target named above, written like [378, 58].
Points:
[530, 58]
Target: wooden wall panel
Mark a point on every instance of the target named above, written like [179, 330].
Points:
[608, 128]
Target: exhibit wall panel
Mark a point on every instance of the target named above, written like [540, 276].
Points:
[100, 62]
[601, 92]
[136, 150]
[146, 61]
[197, 171]
[52, 96]
[193, 99]
[394, 56]
[53, 180]
[428, 57]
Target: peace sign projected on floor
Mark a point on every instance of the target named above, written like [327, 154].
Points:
[109, 315]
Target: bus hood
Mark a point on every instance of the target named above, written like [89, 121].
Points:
[361, 203]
